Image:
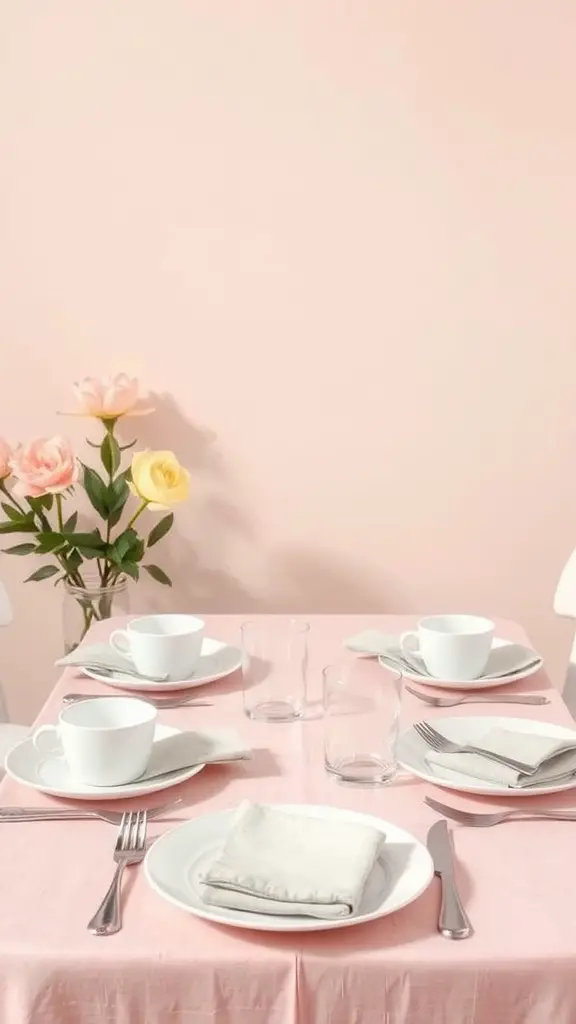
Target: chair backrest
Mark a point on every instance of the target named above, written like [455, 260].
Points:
[565, 606]
[5, 607]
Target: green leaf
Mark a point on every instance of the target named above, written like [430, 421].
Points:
[12, 513]
[117, 494]
[158, 574]
[86, 540]
[123, 544]
[96, 490]
[43, 573]
[38, 504]
[89, 552]
[127, 474]
[50, 542]
[90, 545]
[110, 454]
[70, 524]
[137, 552]
[131, 569]
[20, 549]
[160, 529]
[23, 527]
[72, 562]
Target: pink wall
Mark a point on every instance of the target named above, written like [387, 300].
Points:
[338, 240]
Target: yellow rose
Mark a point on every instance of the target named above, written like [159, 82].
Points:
[158, 477]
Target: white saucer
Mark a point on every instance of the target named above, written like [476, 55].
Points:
[217, 660]
[411, 751]
[50, 774]
[467, 684]
[176, 860]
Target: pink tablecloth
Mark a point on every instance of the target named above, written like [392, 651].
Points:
[166, 967]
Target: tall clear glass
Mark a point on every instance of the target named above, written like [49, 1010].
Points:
[361, 719]
[274, 668]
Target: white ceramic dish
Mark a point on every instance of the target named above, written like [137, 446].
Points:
[177, 859]
[411, 751]
[50, 775]
[216, 661]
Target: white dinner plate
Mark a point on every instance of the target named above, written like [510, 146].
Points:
[177, 859]
[469, 684]
[217, 660]
[412, 749]
[51, 775]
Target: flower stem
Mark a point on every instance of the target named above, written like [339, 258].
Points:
[138, 511]
[11, 498]
[59, 513]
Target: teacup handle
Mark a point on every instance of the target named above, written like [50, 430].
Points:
[47, 748]
[120, 642]
[407, 645]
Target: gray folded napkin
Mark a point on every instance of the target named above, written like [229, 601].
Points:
[275, 862]
[96, 654]
[550, 758]
[186, 749]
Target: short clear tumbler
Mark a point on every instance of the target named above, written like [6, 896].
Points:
[361, 719]
[274, 668]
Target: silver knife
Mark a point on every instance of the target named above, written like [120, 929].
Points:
[453, 922]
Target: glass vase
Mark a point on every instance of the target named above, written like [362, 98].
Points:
[83, 606]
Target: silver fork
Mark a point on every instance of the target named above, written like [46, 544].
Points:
[486, 820]
[130, 849]
[111, 673]
[442, 745]
[499, 698]
[157, 702]
[75, 814]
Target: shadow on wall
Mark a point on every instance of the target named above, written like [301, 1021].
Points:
[202, 547]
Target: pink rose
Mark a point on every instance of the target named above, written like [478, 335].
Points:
[44, 466]
[106, 397]
[5, 456]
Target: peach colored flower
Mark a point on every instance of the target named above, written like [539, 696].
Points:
[107, 398]
[5, 456]
[46, 465]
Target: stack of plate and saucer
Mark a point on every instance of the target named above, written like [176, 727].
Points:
[156, 653]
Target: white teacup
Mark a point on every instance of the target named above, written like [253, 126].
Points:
[452, 647]
[161, 645]
[105, 742]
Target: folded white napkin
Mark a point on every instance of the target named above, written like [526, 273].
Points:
[274, 862]
[96, 654]
[550, 758]
[186, 749]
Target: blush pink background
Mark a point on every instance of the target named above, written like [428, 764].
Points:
[337, 240]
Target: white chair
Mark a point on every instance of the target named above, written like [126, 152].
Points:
[10, 735]
[565, 606]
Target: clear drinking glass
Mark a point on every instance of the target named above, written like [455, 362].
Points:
[274, 668]
[361, 718]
